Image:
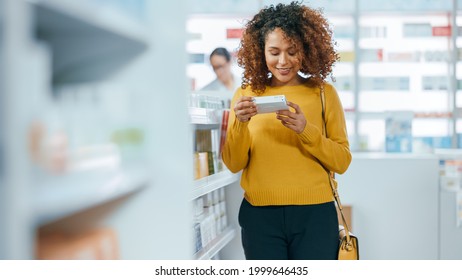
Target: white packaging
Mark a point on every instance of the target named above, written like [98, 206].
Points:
[268, 104]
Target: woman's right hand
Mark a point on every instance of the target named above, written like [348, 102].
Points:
[245, 108]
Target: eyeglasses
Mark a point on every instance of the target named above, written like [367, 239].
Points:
[219, 67]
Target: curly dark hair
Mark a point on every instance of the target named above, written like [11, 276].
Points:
[305, 27]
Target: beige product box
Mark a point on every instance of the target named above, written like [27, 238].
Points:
[97, 244]
[201, 165]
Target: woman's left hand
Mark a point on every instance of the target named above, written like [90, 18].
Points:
[293, 120]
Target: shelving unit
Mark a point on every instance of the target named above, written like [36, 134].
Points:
[211, 119]
[414, 65]
[202, 187]
[450, 203]
[82, 46]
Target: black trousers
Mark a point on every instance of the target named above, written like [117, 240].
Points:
[293, 232]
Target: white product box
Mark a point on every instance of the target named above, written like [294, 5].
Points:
[273, 103]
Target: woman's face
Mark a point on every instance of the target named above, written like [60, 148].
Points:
[282, 59]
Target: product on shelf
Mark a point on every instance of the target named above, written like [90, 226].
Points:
[373, 32]
[451, 174]
[96, 244]
[403, 56]
[201, 165]
[413, 30]
[48, 148]
[206, 148]
[223, 131]
[371, 55]
[398, 136]
[347, 56]
[209, 219]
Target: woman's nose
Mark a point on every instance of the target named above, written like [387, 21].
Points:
[282, 59]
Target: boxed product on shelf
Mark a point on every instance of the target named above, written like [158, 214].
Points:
[427, 144]
[344, 32]
[417, 30]
[344, 83]
[223, 132]
[444, 31]
[385, 83]
[403, 56]
[347, 56]
[210, 221]
[197, 236]
[398, 134]
[373, 32]
[451, 174]
[96, 244]
[208, 101]
[371, 55]
[435, 82]
[436, 56]
[207, 141]
[209, 137]
[201, 165]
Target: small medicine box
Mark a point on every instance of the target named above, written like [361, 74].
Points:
[268, 104]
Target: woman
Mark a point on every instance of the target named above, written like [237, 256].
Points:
[220, 59]
[288, 210]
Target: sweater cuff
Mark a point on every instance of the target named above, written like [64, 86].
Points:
[310, 135]
[239, 126]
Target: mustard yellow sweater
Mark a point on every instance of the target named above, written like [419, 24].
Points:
[281, 167]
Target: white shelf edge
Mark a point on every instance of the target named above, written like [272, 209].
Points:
[448, 154]
[71, 194]
[210, 183]
[216, 245]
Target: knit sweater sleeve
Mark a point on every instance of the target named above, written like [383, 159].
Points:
[333, 152]
[236, 149]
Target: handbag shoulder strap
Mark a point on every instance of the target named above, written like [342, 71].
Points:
[331, 174]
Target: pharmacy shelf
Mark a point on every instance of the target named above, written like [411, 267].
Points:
[87, 47]
[216, 245]
[210, 183]
[65, 195]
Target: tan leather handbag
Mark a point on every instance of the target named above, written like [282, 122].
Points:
[348, 249]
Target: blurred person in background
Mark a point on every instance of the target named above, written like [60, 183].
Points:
[220, 59]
